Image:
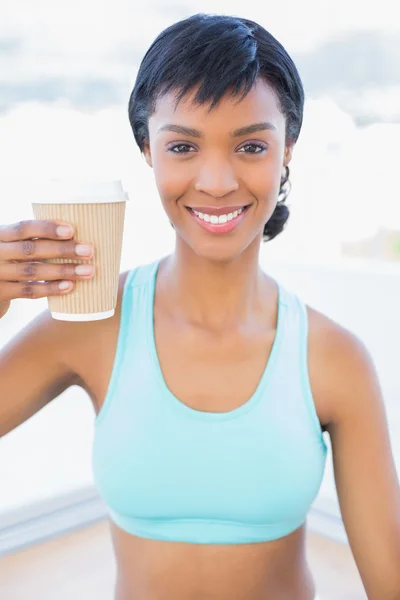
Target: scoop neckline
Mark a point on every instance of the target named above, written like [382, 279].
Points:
[174, 401]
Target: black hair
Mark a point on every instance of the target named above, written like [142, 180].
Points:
[219, 53]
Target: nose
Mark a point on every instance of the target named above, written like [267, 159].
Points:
[216, 178]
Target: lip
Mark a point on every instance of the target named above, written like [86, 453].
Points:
[217, 211]
[220, 228]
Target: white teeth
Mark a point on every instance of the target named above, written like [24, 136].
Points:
[216, 220]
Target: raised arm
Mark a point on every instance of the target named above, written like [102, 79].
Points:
[33, 369]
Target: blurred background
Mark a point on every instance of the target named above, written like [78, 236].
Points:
[66, 73]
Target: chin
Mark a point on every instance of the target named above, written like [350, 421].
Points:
[223, 250]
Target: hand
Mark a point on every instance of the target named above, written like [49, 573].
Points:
[24, 247]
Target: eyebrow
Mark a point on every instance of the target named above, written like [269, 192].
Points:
[265, 125]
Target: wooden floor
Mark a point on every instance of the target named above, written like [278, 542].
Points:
[81, 566]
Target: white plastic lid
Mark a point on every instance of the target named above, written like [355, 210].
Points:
[78, 191]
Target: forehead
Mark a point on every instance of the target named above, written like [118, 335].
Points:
[260, 104]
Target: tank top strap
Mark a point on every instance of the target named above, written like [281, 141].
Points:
[294, 355]
[144, 273]
[137, 298]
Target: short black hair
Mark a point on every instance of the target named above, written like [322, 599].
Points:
[217, 54]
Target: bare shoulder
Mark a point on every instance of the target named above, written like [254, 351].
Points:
[76, 335]
[340, 366]
[94, 345]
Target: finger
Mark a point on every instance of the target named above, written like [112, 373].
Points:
[38, 271]
[4, 306]
[24, 230]
[11, 290]
[41, 249]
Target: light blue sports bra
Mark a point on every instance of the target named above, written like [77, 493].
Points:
[170, 472]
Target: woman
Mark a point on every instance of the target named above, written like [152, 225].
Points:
[212, 384]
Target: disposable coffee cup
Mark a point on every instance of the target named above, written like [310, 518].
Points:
[96, 209]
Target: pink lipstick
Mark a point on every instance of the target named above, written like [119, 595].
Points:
[218, 220]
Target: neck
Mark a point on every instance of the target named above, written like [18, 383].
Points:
[214, 294]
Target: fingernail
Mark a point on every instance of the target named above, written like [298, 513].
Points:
[83, 250]
[84, 270]
[63, 231]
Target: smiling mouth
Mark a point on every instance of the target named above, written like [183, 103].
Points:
[218, 216]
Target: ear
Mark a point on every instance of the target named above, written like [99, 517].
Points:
[147, 154]
[288, 154]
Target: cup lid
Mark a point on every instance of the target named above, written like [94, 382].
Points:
[78, 191]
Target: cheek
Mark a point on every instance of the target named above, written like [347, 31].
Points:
[171, 178]
[264, 182]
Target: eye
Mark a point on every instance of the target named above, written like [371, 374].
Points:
[172, 148]
[262, 147]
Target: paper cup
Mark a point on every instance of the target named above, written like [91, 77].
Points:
[96, 209]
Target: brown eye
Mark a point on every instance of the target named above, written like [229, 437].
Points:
[261, 147]
[172, 148]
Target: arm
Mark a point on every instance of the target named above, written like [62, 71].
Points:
[365, 474]
[46, 358]
[33, 370]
